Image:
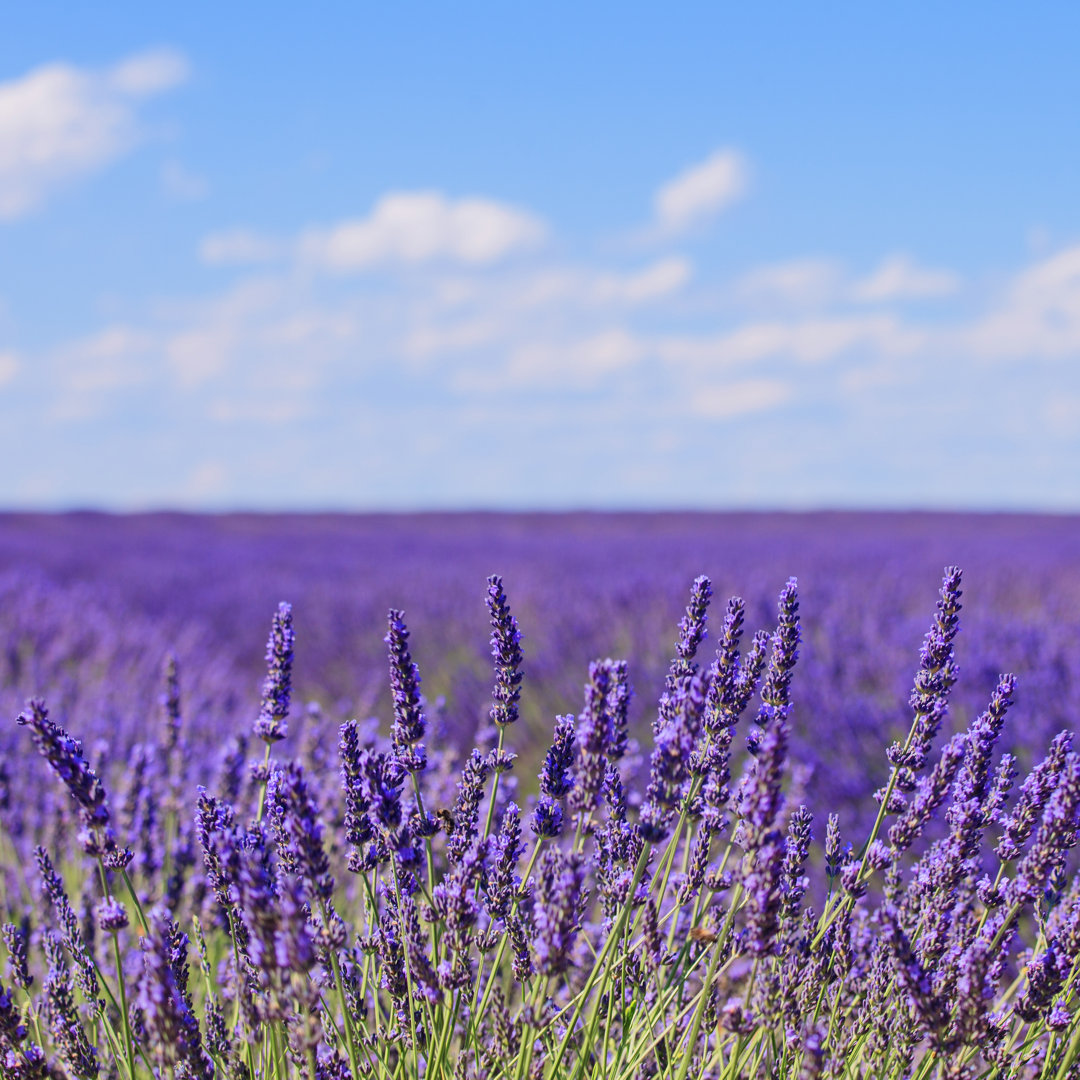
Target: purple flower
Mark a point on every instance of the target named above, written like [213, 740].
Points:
[929, 796]
[1035, 792]
[691, 634]
[67, 1031]
[506, 651]
[555, 777]
[410, 723]
[776, 689]
[65, 756]
[669, 769]
[15, 938]
[467, 808]
[294, 815]
[501, 881]
[934, 679]
[170, 704]
[764, 895]
[73, 938]
[557, 912]
[595, 733]
[277, 687]
[1056, 834]
[172, 1029]
[547, 817]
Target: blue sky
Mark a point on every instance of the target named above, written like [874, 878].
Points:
[389, 256]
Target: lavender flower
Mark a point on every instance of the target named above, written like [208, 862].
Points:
[277, 688]
[467, 808]
[65, 756]
[170, 1023]
[73, 938]
[410, 723]
[1035, 792]
[294, 815]
[558, 900]
[74, 1048]
[934, 679]
[506, 651]
[670, 762]
[170, 704]
[501, 881]
[691, 634]
[1056, 834]
[555, 777]
[776, 689]
[15, 938]
[594, 736]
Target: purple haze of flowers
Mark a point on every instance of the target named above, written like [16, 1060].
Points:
[65, 757]
[277, 687]
[410, 724]
[506, 652]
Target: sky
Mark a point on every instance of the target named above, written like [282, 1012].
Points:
[378, 256]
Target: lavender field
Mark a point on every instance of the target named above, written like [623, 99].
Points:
[587, 817]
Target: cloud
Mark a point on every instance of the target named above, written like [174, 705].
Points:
[60, 122]
[9, 367]
[659, 280]
[898, 278]
[181, 184]
[701, 191]
[410, 228]
[577, 364]
[1039, 316]
[807, 341]
[794, 283]
[148, 73]
[238, 247]
[740, 398]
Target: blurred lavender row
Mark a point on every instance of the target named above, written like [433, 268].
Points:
[91, 605]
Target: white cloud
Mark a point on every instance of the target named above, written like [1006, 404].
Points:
[425, 341]
[420, 227]
[148, 73]
[740, 398]
[794, 283]
[701, 191]
[1039, 316]
[898, 278]
[663, 278]
[205, 481]
[9, 367]
[574, 363]
[61, 122]
[808, 341]
[238, 247]
[181, 184]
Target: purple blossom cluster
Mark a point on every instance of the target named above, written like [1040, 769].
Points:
[344, 898]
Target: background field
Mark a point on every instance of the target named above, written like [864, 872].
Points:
[90, 604]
